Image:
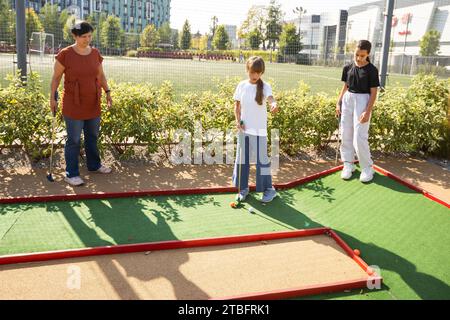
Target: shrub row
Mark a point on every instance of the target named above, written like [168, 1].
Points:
[404, 120]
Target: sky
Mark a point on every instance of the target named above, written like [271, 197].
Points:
[234, 12]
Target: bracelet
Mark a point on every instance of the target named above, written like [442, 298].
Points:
[107, 91]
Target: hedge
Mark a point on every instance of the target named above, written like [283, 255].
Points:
[404, 119]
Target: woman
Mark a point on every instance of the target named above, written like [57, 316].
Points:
[83, 80]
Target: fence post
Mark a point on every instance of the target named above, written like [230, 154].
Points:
[21, 41]
[386, 41]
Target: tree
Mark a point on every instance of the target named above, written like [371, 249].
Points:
[221, 39]
[33, 24]
[165, 33]
[256, 20]
[429, 44]
[149, 37]
[186, 36]
[214, 22]
[274, 24]
[290, 40]
[254, 39]
[7, 22]
[67, 31]
[95, 20]
[53, 22]
[196, 38]
[175, 40]
[203, 42]
[111, 33]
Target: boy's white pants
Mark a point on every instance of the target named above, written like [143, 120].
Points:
[354, 134]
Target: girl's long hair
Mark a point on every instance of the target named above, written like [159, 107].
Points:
[256, 64]
[365, 45]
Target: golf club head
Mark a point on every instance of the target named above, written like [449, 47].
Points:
[50, 178]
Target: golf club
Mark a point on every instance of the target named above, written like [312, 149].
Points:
[50, 176]
[339, 134]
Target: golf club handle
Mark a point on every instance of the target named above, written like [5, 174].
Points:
[56, 99]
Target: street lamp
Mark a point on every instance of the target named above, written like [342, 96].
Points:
[299, 11]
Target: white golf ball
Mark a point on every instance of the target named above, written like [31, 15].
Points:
[251, 210]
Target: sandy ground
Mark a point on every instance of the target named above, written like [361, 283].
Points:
[18, 178]
[192, 273]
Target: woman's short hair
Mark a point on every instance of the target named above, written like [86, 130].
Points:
[81, 27]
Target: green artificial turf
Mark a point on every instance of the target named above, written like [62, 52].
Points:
[402, 232]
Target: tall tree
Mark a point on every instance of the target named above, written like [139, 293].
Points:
[274, 23]
[111, 33]
[256, 20]
[186, 36]
[33, 24]
[7, 24]
[165, 33]
[254, 39]
[175, 39]
[214, 22]
[221, 39]
[290, 40]
[429, 44]
[149, 37]
[53, 21]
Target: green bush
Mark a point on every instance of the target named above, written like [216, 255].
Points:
[131, 53]
[304, 120]
[25, 116]
[412, 119]
[433, 69]
[404, 119]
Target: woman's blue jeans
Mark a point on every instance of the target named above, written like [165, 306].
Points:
[90, 129]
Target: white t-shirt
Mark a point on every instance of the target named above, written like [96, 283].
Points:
[253, 115]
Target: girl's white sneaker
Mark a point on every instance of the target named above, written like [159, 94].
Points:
[348, 170]
[366, 175]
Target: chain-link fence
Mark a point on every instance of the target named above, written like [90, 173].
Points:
[193, 44]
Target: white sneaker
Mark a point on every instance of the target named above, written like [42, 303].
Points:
[103, 169]
[74, 181]
[366, 175]
[348, 170]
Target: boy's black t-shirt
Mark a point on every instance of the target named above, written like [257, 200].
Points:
[360, 80]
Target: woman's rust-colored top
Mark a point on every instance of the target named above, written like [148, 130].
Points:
[82, 91]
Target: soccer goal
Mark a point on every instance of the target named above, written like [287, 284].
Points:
[42, 47]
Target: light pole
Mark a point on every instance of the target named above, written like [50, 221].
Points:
[299, 11]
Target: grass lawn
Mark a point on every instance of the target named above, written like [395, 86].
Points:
[188, 76]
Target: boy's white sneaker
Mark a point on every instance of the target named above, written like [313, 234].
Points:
[74, 181]
[366, 174]
[348, 170]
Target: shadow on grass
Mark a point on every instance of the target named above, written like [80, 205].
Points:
[424, 285]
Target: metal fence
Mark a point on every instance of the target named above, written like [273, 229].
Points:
[148, 41]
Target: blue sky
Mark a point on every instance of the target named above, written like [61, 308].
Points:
[199, 12]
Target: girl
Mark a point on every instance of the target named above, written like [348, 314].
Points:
[251, 120]
[357, 98]
[82, 68]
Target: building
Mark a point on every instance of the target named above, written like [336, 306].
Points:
[134, 15]
[231, 30]
[412, 19]
[324, 35]
[310, 33]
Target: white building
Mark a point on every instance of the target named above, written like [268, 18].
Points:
[231, 30]
[412, 19]
[310, 31]
[323, 35]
